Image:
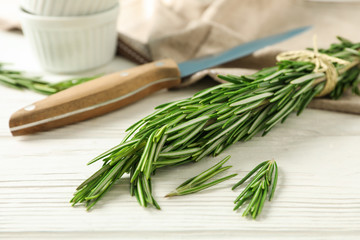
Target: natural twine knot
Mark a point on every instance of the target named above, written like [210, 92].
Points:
[323, 63]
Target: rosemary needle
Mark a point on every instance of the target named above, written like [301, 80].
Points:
[197, 183]
[262, 185]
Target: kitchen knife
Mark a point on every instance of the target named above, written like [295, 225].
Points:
[119, 89]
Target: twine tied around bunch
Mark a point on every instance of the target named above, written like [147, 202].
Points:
[323, 63]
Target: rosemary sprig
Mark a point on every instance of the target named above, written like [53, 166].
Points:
[258, 189]
[20, 80]
[197, 183]
[212, 120]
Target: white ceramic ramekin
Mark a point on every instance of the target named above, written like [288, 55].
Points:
[66, 7]
[72, 44]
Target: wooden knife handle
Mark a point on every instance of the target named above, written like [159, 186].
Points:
[95, 97]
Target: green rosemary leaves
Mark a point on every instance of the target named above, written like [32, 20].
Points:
[262, 185]
[212, 120]
[197, 183]
[19, 80]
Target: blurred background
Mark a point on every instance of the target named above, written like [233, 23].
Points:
[193, 28]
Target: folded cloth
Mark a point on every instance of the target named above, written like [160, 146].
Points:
[189, 29]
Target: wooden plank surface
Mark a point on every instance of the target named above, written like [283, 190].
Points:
[318, 195]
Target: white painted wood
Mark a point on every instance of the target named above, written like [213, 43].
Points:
[318, 195]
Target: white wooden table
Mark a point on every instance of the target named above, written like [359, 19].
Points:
[318, 194]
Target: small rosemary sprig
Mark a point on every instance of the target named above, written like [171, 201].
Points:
[213, 119]
[197, 183]
[20, 80]
[258, 189]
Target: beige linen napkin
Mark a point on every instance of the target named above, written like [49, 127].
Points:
[189, 29]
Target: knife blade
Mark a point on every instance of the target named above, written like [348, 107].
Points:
[119, 89]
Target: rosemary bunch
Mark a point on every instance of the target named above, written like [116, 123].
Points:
[213, 119]
[20, 80]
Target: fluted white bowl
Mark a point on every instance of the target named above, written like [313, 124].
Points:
[66, 7]
[72, 44]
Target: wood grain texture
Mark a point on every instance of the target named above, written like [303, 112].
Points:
[318, 196]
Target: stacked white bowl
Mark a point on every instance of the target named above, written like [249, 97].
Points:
[70, 36]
